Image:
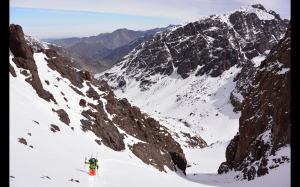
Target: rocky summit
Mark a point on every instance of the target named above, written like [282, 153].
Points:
[210, 46]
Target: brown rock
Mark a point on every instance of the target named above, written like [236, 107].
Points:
[45, 176]
[63, 116]
[98, 142]
[31, 146]
[82, 102]
[12, 70]
[77, 91]
[47, 82]
[24, 72]
[54, 128]
[22, 140]
[66, 99]
[91, 93]
[29, 134]
[36, 122]
[62, 93]
[85, 75]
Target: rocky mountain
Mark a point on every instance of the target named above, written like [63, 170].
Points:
[80, 62]
[84, 103]
[197, 73]
[214, 43]
[265, 122]
[96, 47]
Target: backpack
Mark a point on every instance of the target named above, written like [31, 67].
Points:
[96, 160]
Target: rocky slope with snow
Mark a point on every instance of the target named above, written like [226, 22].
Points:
[101, 112]
[84, 63]
[265, 122]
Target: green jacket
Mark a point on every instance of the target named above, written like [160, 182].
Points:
[93, 165]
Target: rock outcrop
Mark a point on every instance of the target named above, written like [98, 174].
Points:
[265, 122]
[63, 116]
[23, 58]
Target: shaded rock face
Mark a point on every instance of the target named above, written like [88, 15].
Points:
[265, 122]
[151, 154]
[23, 58]
[210, 46]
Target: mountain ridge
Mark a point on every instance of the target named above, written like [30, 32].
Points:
[98, 46]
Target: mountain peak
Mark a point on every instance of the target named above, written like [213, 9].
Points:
[259, 6]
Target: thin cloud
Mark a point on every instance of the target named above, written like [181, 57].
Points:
[186, 10]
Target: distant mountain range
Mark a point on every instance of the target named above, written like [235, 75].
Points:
[97, 47]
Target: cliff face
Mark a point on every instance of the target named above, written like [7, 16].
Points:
[112, 120]
[265, 122]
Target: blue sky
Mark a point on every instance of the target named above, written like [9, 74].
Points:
[78, 18]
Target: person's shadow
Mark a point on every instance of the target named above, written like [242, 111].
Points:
[82, 171]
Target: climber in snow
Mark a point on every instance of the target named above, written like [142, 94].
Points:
[93, 164]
